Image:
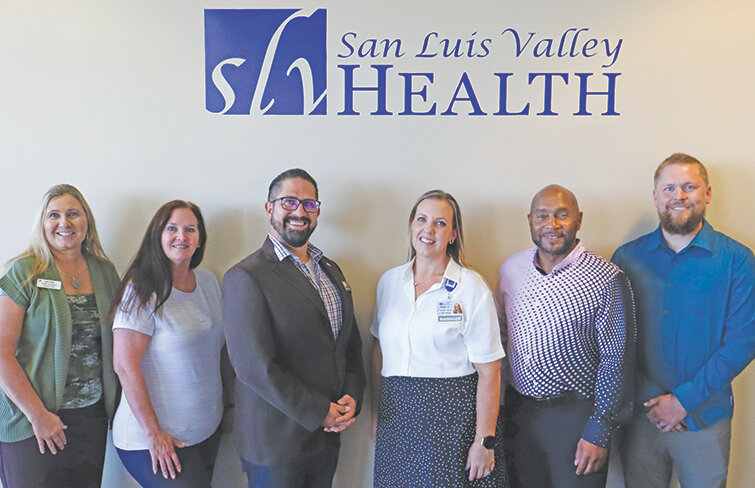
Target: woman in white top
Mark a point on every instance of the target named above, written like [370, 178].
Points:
[167, 343]
[436, 362]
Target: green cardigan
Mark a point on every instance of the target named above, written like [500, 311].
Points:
[44, 347]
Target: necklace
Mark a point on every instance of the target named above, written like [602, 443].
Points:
[432, 276]
[74, 281]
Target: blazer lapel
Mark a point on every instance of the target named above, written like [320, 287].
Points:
[294, 279]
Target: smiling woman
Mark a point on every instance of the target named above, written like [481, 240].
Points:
[436, 360]
[65, 223]
[180, 239]
[167, 345]
[56, 373]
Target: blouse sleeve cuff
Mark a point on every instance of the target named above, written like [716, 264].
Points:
[487, 358]
[11, 289]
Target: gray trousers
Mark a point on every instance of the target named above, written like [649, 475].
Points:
[700, 458]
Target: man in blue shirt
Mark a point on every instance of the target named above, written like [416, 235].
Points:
[695, 295]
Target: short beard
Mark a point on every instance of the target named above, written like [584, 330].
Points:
[294, 238]
[681, 228]
[561, 251]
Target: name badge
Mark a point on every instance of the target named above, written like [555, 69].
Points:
[450, 311]
[49, 284]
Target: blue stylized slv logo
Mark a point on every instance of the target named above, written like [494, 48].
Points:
[265, 61]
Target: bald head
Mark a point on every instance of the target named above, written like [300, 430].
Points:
[555, 191]
[554, 221]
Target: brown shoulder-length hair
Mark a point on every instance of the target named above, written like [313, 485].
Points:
[39, 248]
[150, 271]
[454, 250]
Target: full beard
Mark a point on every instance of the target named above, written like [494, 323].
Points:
[681, 228]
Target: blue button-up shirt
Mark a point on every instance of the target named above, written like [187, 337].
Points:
[695, 319]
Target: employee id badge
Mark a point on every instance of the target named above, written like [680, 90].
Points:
[450, 311]
[49, 284]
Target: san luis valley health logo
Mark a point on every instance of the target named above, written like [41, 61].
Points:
[275, 62]
[265, 61]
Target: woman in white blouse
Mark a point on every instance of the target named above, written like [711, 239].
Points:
[167, 343]
[436, 362]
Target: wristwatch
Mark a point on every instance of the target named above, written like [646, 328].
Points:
[488, 441]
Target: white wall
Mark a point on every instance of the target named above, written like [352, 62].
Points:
[109, 96]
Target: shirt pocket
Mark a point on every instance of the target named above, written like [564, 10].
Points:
[452, 326]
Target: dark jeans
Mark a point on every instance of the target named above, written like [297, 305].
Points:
[541, 441]
[197, 465]
[315, 471]
[79, 465]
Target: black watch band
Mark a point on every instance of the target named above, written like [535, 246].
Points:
[488, 442]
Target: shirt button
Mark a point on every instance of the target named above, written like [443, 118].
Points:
[670, 285]
[666, 312]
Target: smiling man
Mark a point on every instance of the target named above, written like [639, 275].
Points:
[695, 291]
[568, 318]
[294, 344]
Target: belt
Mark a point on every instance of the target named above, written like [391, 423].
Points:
[551, 401]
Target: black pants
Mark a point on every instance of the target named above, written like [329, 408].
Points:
[79, 465]
[541, 441]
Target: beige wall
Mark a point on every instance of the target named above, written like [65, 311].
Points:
[109, 96]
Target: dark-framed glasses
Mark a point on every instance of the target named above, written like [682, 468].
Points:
[291, 204]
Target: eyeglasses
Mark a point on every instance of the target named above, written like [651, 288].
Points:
[291, 204]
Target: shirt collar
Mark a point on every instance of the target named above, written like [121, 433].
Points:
[283, 252]
[656, 240]
[575, 253]
[452, 274]
[703, 239]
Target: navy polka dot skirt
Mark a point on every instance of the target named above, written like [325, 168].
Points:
[424, 431]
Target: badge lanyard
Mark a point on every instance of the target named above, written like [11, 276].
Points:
[450, 285]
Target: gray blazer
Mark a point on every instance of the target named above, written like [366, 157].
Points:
[288, 366]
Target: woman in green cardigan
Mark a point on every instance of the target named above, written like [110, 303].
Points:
[56, 361]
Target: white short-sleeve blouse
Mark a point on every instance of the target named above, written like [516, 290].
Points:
[440, 335]
[181, 365]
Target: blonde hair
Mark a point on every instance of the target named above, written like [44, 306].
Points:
[39, 248]
[454, 250]
[681, 159]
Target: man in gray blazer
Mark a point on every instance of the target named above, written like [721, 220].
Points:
[294, 344]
